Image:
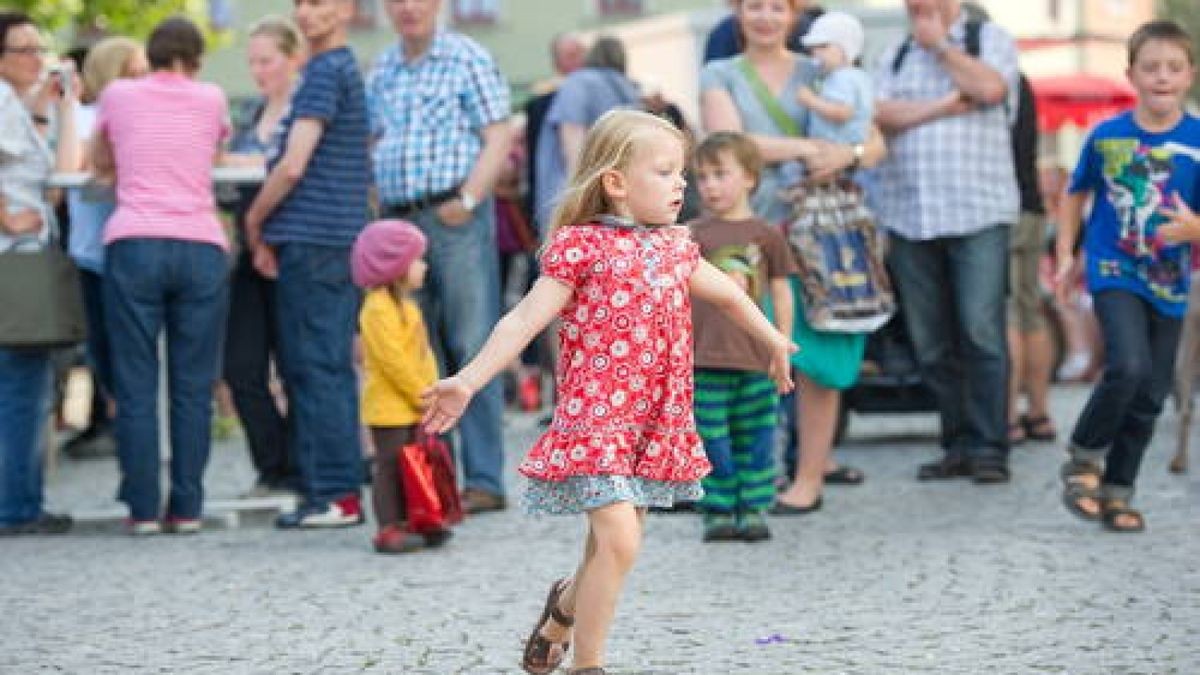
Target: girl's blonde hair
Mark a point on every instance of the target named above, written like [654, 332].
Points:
[108, 60]
[608, 146]
[281, 30]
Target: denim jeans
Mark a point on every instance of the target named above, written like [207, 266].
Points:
[99, 349]
[1117, 423]
[317, 310]
[24, 407]
[953, 290]
[251, 341]
[180, 287]
[461, 303]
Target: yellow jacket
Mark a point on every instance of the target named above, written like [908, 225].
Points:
[398, 360]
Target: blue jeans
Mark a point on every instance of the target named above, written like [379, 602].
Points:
[152, 285]
[316, 305]
[24, 406]
[1118, 421]
[953, 290]
[461, 303]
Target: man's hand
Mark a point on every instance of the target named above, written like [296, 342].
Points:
[265, 261]
[453, 213]
[1066, 274]
[929, 27]
[21, 223]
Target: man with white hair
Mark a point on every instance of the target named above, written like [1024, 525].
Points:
[948, 195]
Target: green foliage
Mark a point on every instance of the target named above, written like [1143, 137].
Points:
[135, 18]
[1187, 14]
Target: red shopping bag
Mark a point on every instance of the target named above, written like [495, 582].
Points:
[431, 498]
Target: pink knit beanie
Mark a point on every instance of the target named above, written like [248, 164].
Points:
[383, 252]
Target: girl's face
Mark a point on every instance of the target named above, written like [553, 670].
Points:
[650, 189]
[1161, 73]
[766, 23]
[271, 69]
[415, 277]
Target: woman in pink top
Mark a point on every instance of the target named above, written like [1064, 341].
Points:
[165, 268]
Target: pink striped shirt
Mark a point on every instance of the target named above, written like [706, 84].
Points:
[165, 130]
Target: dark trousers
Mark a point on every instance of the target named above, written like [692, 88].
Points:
[386, 491]
[317, 309]
[1117, 423]
[251, 342]
[180, 288]
[98, 347]
[953, 290]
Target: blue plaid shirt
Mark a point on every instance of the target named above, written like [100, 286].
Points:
[426, 115]
[952, 176]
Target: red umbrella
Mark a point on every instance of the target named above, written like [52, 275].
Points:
[1081, 100]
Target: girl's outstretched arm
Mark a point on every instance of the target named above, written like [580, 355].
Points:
[711, 284]
[446, 400]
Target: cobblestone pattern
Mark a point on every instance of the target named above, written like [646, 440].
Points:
[891, 577]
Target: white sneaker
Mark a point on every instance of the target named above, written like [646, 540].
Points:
[1074, 367]
[143, 528]
[183, 525]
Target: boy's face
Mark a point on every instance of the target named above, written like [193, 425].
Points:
[1161, 73]
[831, 56]
[319, 19]
[725, 185]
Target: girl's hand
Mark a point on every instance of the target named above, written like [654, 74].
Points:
[1065, 276]
[780, 370]
[1184, 225]
[445, 402]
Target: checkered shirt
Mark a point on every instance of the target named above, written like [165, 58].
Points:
[426, 115]
[953, 176]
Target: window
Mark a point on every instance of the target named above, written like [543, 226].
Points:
[476, 12]
[620, 7]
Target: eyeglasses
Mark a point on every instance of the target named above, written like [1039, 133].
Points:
[26, 51]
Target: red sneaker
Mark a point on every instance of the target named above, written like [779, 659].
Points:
[529, 393]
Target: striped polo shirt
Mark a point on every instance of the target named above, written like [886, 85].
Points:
[328, 207]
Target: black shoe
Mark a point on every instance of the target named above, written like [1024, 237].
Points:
[946, 468]
[720, 527]
[990, 472]
[752, 527]
[47, 523]
[91, 443]
[784, 509]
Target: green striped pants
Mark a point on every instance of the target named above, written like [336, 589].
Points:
[736, 415]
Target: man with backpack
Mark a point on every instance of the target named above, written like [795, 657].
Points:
[948, 196]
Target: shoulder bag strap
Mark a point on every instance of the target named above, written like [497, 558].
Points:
[768, 101]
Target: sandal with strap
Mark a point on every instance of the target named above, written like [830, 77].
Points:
[594, 670]
[1114, 515]
[1076, 491]
[1039, 428]
[540, 657]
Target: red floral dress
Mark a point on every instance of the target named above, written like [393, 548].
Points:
[625, 370]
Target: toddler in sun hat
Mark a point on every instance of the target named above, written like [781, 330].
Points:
[843, 104]
[398, 366]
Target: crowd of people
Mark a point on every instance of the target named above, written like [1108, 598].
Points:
[375, 244]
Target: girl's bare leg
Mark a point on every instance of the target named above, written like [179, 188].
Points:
[616, 532]
[817, 409]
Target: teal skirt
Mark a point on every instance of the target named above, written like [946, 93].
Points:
[832, 360]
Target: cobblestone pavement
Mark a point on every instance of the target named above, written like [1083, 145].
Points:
[890, 577]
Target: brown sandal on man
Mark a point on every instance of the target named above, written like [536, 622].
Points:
[1116, 514]
[1081, 486]
[540, 657]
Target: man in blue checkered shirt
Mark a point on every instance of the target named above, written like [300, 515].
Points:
[948, 195]
[439, 112]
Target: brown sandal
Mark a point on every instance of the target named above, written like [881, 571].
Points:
[1078, 488]
[1113, 510]
[539, 657]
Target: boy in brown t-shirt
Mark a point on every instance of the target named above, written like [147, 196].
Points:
[735, 401]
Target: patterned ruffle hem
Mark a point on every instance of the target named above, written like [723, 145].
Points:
[672, 454]
[579, 494]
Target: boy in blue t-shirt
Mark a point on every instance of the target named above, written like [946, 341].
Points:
[842, 112]
[1142, 168]
[300, 228]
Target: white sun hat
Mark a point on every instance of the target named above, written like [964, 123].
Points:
[836, 28]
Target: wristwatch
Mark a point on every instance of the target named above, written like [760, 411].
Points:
[468, 200]
[859, 149]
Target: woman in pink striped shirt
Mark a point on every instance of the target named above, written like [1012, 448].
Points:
[165, 268]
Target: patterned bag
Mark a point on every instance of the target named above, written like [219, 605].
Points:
[844, 282]
[431, 499]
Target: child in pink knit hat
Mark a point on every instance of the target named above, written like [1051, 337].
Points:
[399, 364]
